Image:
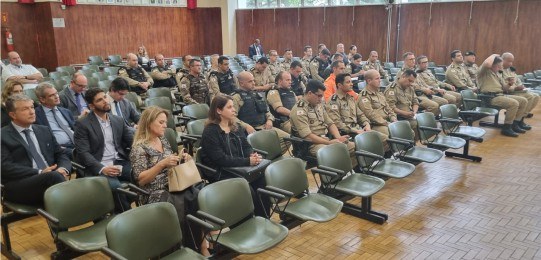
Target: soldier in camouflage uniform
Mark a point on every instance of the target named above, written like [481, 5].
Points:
[194, 87]
[136, 76]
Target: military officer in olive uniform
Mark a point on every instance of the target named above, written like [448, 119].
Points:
[516, 87]
[194, 88]
[252, 110]
[373, 64]
[471, 67]
[182, 72]
[344, 112]
[222, 78]
[163, 74]
[427, 79]
[374, 104]
[262, 75]
[491, 82]
[274, 64]
[310, 121]
[136, 76]
[402, 99]
[319, 64]
[281, 101]
[288, 59]
[355, 68]
[298, 79]
[306, 60]
[457, 74]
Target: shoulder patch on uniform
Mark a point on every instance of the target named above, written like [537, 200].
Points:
[121, 70]
[272, 92]
[334, 97]
[334, 107]
[365, 100]
[183, 86]
[300, 112]
[364, 93]
[391, 93]
[300, 104]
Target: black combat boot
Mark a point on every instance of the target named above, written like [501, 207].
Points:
[507, 131]
[516, 128]
[524, 125]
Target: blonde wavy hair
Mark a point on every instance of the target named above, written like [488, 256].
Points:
[142, 134]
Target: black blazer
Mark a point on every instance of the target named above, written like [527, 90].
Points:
[89, 141]
[252, 50]
[41, 118]
[68, 101]
[220, 150]
[16, 158]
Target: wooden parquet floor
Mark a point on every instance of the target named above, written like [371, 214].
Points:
[452, 209]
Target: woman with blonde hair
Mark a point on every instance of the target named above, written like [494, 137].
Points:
[12, 87]
[142, 58]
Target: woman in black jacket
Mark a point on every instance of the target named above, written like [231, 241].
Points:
[224, 144]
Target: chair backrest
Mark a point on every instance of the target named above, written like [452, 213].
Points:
[90, 67]
[370, 142]
[529, 75]
[44, 72]
[58, 74]
[335, 156]
[468, 94]
[171, 136]
[177, 62]
[144, 232]
[68, 69]
[400, 64]
[431, 64]
[31, 93]
[426, 119]
[229, 200]
[163, 102]
[287, 174]
[198, 111]
[160, 92]
[196, 127]
[114, 59]
[394, 70]
[79, 201]
[111, 70]
[401, 129]
[87, 72]
[104, 84]
[133, 97]
[268, 141]
[93, 83]
[59, 84]
[100, 75]
[449, 111]
[95, 60]
[388, 65]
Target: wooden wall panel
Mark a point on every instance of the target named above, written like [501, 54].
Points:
[317, 25]
[492, 29]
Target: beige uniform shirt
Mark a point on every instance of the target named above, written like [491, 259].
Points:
[286, 64]
[274, 100]
[180, 75]
[314, 70]
[307, 119]
[374, 105]
[345, 114]
[132, 82]
[458, 76]
[156, 74]
[305, 66]
[507, 73]
[376, 66]
[399, 73]
[274, 69]
[262, 78]
[490, 82]
[473, 70]
[426, 77]
[403, 99]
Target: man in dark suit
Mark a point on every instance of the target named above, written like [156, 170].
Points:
[58, 119]
[73, 97]
[32, 160]
[255, 49]
[120, 106]
[102, 141]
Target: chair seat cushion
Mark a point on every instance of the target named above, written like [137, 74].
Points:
[360, 185]
[253, 236]
[315, 207]
[487, 110]
[184, 253]
[449, 142]
[21, 208]
[394, 168]
[423, 154]
[470, 131]
[88, 239]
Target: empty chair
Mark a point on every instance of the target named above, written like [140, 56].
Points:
[101, 75]
[537, 74]
[111, 70]
[192, 140]
[431, 64]
[57, 74]
[288, 177]
[104, 84]
[430, 136]
[403, 145]
[530, 78]
[267, 143]
[69, 69]
[112, 77]
[60, 84]
[400, 64]
[114, 60]
[87, 72]
[91, 67]
[30, 92]
[394, 71]
[177, 62]
[67, 78]
[195, 111]
[233, 208]
[133, 97]
[147, 232]
[339, 180]
[92, 82]
[96, 60]
[369, 151]
[472, 103]
[388, 65]
[44, 72]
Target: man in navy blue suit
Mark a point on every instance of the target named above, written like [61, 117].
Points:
[59, 119]
[255, 49]
[32, 160]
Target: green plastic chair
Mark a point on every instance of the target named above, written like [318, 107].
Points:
[339, 180]
[165, 92]
[403, 144]
[288, 177]
[370, 152]
[11, 213]
[133, 97]
[44, 72]
[267, 143]
[111, 70]
[74, 203]
[104, 84]
[192, 139]
[90, 67]
[114, 60]
[171, 136]
[147, 232]
[94, 83]
[477, 109]
[88, 72]
[100, 75]
[60, 84]
[31, 93]
[429, 134]
[57, 74]
[96, 60]
[69, 69]
[228, 204]
[196, 111]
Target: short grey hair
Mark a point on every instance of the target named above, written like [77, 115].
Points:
[40, 89]
[10, 102]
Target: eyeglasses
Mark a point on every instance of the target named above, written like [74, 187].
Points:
[79, 85]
